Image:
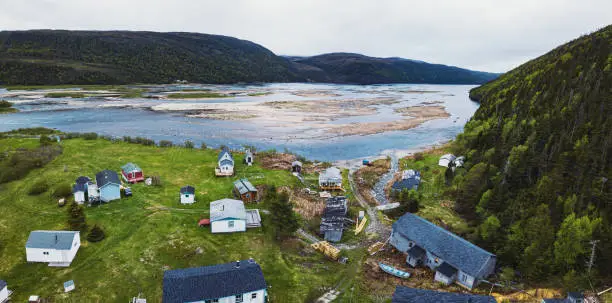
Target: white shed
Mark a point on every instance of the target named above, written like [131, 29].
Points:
[187, 194]
[69, 286]
[56, 247]
[447, 159]
[4, 292]
[227, 216]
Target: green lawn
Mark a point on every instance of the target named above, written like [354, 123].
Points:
[148, 232]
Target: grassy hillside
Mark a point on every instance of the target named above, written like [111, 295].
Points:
[148, 232]
[539, 160]
[360, 69]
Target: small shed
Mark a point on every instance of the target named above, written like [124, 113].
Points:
[187, 194]
[79, 189]
[132, 173]
[330, 179]
[253, 219]
[296, 167]
[69, 286]
[34, 299]
[225, 164]
[5, 293]
[249, 158]
[446, 160]
[246, 191]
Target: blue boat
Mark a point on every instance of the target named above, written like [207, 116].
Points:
[394, 271]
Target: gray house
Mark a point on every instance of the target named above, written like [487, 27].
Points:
[404, 294]
[332, 222]
[453, 258]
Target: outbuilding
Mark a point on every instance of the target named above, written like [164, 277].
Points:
[249, 159]
[225, 163]
[56, 247]
[132, 173]
[227, 216]
[187, 194]
[246, 191]
[446, 160]
[109, 185]
[240, 281]
[79, 189]
[296, 167]
[5, 293]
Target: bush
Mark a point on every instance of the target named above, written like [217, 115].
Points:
[76, 218]
[419, 157]
[62, 191]
[38, 188]
[189, 144]
[90, 136]
[96, 234]
[22, 161]
[203, 146]
[165, 143]
[45, 140]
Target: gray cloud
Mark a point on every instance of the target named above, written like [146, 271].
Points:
[478, 34]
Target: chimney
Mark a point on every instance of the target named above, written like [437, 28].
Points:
[238, 264]
[251, 260]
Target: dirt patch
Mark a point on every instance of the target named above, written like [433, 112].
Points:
[308, 206]
[276, 161]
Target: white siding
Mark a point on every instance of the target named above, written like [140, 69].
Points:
[53, 255]
[79, 197]
[246, 298]
[223, 226]
[433, 261]
[187, 198]
[3, 294]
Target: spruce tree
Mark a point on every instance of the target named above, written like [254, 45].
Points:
[76, 218]
[96, 234]
[284, 220]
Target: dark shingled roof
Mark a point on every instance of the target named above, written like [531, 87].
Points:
[82, 180]
[411, 183]
[187, 190]
[212, 282]
[416, 252]
[224, 151]
[2, 284]
[107, 176]
[446, 269]
[79, 187]
[413, 295]
[453, 249]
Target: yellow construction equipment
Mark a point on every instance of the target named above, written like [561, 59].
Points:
[327, 249]
[360, 225]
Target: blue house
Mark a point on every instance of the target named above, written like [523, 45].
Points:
[453, 258]
[240, 281]
[109, 185]
[414, 295]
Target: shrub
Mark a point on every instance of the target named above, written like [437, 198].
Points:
[22, 161]
[62, 190]
[90, 136]
[203, 146]
[96, 234]
[45, 140]
[165, 143]
[76, 217]
[419, 157]
[38, 188]
[189, 144]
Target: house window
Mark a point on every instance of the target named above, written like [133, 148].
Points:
[254, 295]
[238, 298]
[186, 195]
[247, 195]
[46, 253]
[463, 277]
[410, 244]
[230, 224]
[215, 301]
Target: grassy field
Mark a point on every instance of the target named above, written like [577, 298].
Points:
[149, 232]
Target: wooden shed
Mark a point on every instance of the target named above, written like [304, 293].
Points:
[246, 191]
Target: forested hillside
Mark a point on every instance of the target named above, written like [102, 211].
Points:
[356, 68]
[45, 57]
[539, 153]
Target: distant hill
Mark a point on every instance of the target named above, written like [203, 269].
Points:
[539, 151]
[360, 69]
[118, 57]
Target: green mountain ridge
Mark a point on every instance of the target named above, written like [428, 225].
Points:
[52, 57]
[539, 153]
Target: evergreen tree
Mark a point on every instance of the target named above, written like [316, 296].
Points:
[96, 234]
[76, 218]
[284, 220]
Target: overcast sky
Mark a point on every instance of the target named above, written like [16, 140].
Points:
[484, 35]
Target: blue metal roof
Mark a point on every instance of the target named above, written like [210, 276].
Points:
[2, 284]
[414, 295]
[212, 282]
[225, 209]
[107, 176]
[68, 283]
[79, 187]
[51, 239]
[453, 249]
[130, 167]
[82, 180]
[224, 151]
[244, 186]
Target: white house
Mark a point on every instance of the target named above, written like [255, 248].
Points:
[249, 158]
[187, 194]
[4, 292]
[227, 216]
[330, 179]
[236, 282]
[225, 163]
[79, 189]
[56, 247]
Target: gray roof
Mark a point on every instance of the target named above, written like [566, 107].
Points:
[332, 174]
[2, 284]
[411, 183]
[224, 151]
[414, 295]
[453, 249]
[227, 209]
[130, 167]
[227, 162]
[296, 163]
[82, 180]
[446, 269]
[187, 190]
[79, 187]
[416, 252]
[51, 239]
[212, 282]
[244, 186]
[107, 176]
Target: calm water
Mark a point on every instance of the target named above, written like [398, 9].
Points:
[135, 119]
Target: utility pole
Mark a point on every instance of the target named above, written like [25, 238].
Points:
[592, 258]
